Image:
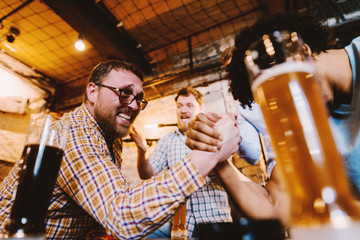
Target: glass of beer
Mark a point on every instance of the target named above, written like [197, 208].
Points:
[40, 164]
[281, 78]
[178, 229]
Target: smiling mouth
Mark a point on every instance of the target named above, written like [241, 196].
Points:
[184, 118]
[124, 116]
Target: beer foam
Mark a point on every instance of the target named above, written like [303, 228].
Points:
[280, 69]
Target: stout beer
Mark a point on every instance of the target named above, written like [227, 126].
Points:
[39, 166]
[37, 178]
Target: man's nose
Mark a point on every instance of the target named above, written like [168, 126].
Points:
[184, 109]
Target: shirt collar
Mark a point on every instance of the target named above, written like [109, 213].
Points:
[91, 119]
[180, 134]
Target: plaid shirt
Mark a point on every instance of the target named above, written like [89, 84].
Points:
[208, 204]
[92, 195]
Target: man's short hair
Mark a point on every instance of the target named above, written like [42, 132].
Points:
[103, 69]
[190, 90]
[311, 29]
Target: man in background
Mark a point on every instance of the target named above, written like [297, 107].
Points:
[208, 204]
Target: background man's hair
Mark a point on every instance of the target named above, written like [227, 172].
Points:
[190, 90]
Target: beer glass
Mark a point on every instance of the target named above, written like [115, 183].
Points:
[178, 229]
[282, 83]
[41, 159]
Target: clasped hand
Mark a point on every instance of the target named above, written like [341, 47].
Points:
[212, 132]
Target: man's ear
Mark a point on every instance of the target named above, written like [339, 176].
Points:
[91, 91]
[307, 50]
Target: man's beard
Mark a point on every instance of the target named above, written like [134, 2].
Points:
[108, 123]
[183, 126]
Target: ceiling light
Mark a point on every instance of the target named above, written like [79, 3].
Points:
[79, 44]
[10, 38]
[13, 31]
[120, 24]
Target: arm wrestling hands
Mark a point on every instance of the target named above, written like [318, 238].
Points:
[202, 133]
[205, 160]
[251, 199]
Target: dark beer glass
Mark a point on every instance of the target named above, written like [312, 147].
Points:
[41, 159]
[282, 80]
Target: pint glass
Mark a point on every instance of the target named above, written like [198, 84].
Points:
[41, 159]
[281, 78]
[178, 229]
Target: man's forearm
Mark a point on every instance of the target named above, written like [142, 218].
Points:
[145, 169]
[250, 198]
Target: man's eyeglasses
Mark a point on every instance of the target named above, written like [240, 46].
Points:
[127, 97]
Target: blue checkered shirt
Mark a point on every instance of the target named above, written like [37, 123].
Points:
[207, 205]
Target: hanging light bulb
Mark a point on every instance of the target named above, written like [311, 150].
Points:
[13, 32]
[79, 44]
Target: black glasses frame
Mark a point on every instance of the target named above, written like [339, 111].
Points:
[141, 102]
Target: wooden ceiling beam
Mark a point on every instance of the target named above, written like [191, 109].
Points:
[99, 27]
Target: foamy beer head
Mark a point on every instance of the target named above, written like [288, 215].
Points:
[273, 49]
